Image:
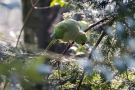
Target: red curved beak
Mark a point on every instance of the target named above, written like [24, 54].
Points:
[83, 43]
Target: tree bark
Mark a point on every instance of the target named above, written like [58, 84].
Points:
[39, 23]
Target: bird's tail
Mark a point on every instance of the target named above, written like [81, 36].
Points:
[50, 44]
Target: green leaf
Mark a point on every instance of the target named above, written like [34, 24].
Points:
[62, 3]
[80, 6]
[68, 4]
[57, 2]
[31, 70]
[53, 3]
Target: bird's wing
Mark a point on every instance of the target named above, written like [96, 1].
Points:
[66, 30]
[60, 30]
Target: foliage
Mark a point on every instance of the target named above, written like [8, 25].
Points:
[56, 2]
[108, 65]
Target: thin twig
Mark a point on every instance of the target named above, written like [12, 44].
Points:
[63, 54]
[67, 48]
[5, 84]
[42, 7]
[95, 46]
[127, 74]
[78, 88]
[103, 20]
[32, 3]
[59, 74]
[26, 20]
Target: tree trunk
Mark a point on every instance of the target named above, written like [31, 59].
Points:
[39, 23]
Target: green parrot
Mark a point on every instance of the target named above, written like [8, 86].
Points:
[66, 31]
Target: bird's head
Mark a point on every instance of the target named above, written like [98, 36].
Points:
[81, 39]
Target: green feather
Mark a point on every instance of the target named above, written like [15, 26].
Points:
[50, 44]
[66, 30]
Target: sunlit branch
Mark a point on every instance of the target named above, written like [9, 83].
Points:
[42, 7]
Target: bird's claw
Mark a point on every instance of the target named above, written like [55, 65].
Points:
[70, 44]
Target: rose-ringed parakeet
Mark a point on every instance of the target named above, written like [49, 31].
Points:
[66, 31]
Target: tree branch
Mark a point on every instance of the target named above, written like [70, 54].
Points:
[93, 49]
[103, 20]
[95, 46]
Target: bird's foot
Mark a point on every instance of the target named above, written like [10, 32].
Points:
[70, 44]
